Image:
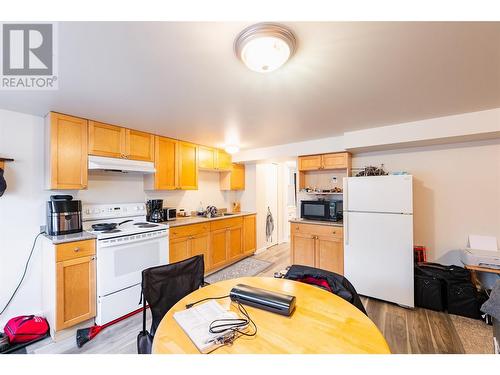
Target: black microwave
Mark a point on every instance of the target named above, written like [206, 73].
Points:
[321, 210]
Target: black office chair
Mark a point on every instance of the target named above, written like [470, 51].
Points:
[162, 288]
[330, 281]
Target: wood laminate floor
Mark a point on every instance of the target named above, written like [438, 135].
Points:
[406, 330]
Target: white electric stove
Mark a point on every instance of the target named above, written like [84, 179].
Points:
[122, 253]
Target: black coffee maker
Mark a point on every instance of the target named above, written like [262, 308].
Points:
[154, 210]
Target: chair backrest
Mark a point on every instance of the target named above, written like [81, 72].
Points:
[331, 281]
[164, 286]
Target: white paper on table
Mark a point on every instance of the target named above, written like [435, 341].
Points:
[483, 242]
[195, 321]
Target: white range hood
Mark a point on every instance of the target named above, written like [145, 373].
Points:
[120, 165]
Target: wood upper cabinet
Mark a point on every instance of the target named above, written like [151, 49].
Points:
[106, 140]
[207, 158]
[66, 157]
[166, 164]
[319, 246]
[339, 160]
[117, 142]
[75, 283]
[249, 234]
[309, 163]
[139, 145]
[334, 161]
[188, 166]
[224, 160]
[234, 179]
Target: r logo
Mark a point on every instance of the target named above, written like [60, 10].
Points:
[27, 49]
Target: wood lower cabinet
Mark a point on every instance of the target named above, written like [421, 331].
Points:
[69, 283]
[66, 157]
[221, 241]
[319, 246]
[249, 234]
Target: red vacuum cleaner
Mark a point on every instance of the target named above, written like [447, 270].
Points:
[84, 335]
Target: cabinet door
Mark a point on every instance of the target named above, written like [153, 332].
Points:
[334, 161]
[218, 247]
[249, 234]
[106, 140]
[224, 160]
[238, 177]
[166, 164]
[199, 245]
[309, 163]
[76, 291]
[302, 247]
[207, 158]
[330, 254]
[235, 242]
[179, 249]
[139, 145]
[188, 166]
[68, 160]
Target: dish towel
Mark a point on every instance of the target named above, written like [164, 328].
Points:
[492, 305]
[269, 225]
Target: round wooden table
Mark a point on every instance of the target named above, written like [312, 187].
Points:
[321, 323]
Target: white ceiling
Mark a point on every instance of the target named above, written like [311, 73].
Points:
[183, 79]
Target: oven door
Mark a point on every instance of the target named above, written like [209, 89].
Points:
[314, 210]
[120, 261]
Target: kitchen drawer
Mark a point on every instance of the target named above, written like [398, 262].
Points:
[319, 230]
[189, 230]
[73, 250]
[226, 223]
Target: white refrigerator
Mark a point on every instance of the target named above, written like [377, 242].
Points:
[378, 237]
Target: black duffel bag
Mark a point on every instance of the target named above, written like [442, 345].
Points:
[428, 291]
[458, 294]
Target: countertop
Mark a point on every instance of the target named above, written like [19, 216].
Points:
[180, 221]
[73, 237]
[318, 222]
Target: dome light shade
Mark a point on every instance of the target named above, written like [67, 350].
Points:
[265, 47]
[231, 149]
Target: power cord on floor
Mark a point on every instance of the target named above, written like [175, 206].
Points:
[24, 274]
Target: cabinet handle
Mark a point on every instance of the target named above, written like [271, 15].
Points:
[76, 249]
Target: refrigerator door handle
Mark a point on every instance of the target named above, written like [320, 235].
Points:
[346, 229]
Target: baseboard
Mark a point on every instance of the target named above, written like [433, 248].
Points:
[258, 251]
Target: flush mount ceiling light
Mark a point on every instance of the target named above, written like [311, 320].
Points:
[264, 47]
[232, 149]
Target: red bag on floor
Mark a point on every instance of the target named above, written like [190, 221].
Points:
[26, 328]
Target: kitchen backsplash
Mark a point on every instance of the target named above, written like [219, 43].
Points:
[115, 187]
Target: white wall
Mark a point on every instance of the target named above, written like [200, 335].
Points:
[22, 208]
[456, 192]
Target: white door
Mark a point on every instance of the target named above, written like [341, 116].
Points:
[379, 194]
[378, 255]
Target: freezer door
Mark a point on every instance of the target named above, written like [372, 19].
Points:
[379, 194]
[378, 255]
